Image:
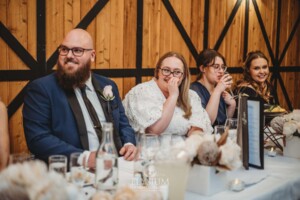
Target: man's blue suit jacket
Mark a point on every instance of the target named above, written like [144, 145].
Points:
[53, 121]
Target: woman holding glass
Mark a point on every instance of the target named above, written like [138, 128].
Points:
[4, 137]
[255, 82]
[211, 85]
[165, 104]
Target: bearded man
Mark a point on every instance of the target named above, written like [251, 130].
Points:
[56, 117]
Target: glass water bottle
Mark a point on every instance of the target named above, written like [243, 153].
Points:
[106, 178]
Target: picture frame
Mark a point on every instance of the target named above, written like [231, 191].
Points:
[250, 129]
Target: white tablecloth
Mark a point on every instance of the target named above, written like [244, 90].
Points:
[279, 180]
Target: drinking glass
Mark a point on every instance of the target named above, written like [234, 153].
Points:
[77, 171]
[139, 161]
[231, 126]
[58, 163]
[173, 164]
[171, 141]
[218, 131]
[148, 145]
[230, 90]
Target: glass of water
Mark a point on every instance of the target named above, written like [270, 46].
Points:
[231, 125]
[219, 130]
[58, 163]
[77, 171]
[148, 145]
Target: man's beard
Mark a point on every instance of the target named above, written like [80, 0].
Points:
[75, 79]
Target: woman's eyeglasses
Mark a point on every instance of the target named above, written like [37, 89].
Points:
[77, 51]
[218, 67]
[168, 72]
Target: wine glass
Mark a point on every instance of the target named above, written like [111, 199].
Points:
[231, 126]
[148, 145]
[230, 90]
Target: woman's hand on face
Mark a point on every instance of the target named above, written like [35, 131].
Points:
[173, 86]
[224, 83]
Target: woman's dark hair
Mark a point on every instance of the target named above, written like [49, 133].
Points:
[205, 58]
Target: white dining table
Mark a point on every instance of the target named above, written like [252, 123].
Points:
[280, 179]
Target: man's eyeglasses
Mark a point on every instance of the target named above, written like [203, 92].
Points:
[168, 72]
[218, 67]
[77, 51]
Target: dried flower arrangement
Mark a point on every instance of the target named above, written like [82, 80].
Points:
[222, 152]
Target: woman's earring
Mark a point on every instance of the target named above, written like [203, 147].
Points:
[201, 69]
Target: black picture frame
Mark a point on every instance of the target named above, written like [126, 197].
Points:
[255, 132]
[250, 131]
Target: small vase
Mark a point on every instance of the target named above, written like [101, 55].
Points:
[175, 172]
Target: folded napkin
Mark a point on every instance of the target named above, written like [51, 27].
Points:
[126, 166]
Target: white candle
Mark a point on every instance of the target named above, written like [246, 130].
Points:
[272, 152]
[237, 185]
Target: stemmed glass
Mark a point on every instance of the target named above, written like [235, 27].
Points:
[230, 90]
[148, 145]
[168, 141]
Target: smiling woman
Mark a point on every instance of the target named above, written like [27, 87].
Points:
[255, 82]
[165, 105]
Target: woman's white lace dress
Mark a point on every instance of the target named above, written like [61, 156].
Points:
[144, 103]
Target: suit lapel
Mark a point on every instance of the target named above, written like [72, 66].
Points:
[108, 111]
[79, 118]
[104, 104]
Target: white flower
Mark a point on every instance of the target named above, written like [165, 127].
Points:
[230, 156]
[107, 93]
[39, 184]
[290, 127]
[192, 145]
[205, 150]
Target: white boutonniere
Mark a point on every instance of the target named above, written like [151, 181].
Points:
[107, 93]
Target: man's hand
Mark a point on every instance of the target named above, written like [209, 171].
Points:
[128, 151]
[92, 160]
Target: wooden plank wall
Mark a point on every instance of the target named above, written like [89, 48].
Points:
[114, 34]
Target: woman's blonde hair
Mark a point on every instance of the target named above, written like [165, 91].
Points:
[183, 100]
[263, 90]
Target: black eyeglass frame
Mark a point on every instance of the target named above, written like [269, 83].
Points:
[76, 51]
[168, 72]
[218, 67]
